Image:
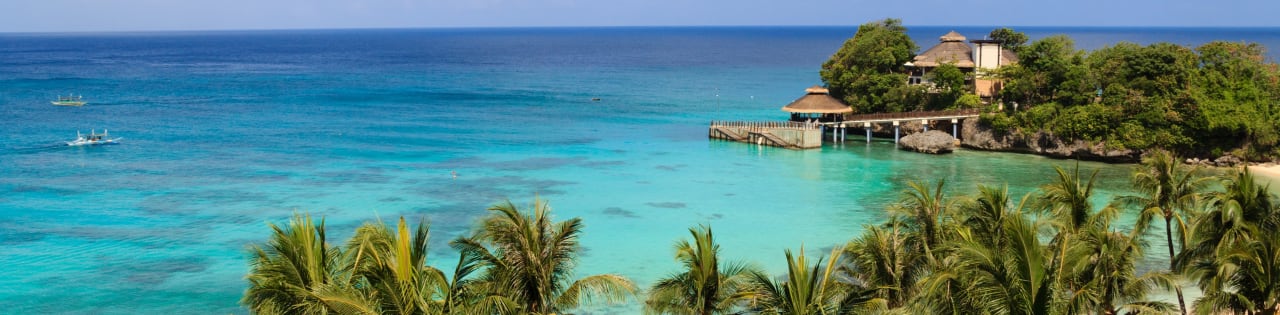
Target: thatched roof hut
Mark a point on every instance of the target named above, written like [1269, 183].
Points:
[817, 100]
[952, 50]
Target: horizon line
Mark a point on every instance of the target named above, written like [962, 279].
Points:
[709, 26]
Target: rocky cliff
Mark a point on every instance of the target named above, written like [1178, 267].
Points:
[977, 136]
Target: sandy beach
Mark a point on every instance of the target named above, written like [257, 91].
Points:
[1267, 173]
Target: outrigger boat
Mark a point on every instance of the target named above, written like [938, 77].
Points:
[93, 138]
[69, 100]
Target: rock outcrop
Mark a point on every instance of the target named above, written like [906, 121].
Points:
[932, 142]
[981, 137]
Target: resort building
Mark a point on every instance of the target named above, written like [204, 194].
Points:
[817, 105]
[985, 55]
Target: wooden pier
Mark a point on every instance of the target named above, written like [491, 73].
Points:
[785, 134]
[808, 135]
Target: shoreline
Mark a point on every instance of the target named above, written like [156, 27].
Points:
[1268, 173]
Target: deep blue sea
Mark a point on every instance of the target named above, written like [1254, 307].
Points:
[225, 132]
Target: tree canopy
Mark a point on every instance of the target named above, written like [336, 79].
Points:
[1221, 97]
[868, 73]
[1009, 38]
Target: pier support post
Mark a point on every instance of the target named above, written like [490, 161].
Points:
[953, 129]
[925, 123]
[867, 126]
[842, 132]
[834, 133]
[896, 132]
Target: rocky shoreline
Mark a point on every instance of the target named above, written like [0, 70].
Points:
[976, 136]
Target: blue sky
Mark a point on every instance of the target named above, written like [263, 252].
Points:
[147, 15]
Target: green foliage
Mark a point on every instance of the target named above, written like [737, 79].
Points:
[1051, 253]
[1049, 70]
[867, 72]
[1039, 116]
[998, 121]
[968, 101]
[704, 286]
[947, 77]
[1010, 39]
[529, 258]
[525, 260]
[1216, 98]
[286, 272]
[1234, 250]
[1088, 122]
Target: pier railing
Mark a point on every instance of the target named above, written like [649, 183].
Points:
[786, 134]
[913, 115]
[761, 125]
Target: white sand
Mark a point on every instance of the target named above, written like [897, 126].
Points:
[1268, 174]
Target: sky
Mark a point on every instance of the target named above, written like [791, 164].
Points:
[161, 15]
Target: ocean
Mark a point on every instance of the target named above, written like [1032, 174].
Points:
[227, 131]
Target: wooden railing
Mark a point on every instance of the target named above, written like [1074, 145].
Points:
[914, 115]
[761, 125]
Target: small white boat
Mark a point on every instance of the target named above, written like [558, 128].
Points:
[93, 138]
[69, 100]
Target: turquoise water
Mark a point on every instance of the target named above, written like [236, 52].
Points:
[228, 131]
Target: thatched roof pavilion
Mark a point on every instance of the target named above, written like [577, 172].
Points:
[952, 50]
[817, 100]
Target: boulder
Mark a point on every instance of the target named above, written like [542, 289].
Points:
[932, 142]
[1226, 161]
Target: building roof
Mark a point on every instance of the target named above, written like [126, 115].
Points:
[817, 100]
[1008, 57]
[948, 51]
[951, 36]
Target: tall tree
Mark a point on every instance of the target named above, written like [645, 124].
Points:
[923, 210]
[812, 290]
[1102, 264]
[704, 286]
[394, 270]
[868, 70]
[1234, 252]
[286, 273]
[948, 287]
[888, 259]
[1009, 38]
[530, 258]
[1168, 190]
[1048, 70]
[1016, 278]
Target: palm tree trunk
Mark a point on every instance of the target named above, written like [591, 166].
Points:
[1177, 288]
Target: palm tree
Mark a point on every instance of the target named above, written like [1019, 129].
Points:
[296, 263]
[923, 209]
[947, 288]
[886, 259]
[529, 259]
[392, 267]
[984, 215]
[1167, 189]
[705, 286]
[1015, 278]
[1234, 251]
[1104, 263]
[818, 290]
[1067, 199]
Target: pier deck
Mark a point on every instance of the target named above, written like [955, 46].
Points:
[785, 134]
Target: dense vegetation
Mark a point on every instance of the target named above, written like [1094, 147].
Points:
[1219, 98]
[1052, 252]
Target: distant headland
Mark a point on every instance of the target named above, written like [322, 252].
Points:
[1217, 102]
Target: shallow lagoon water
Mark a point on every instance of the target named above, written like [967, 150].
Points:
[228, 131]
